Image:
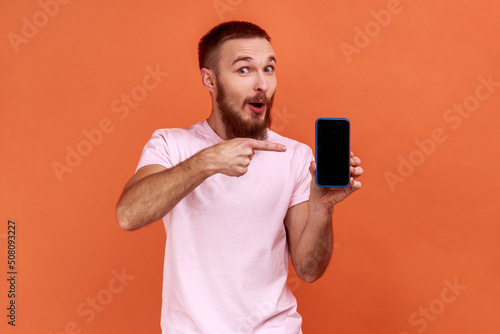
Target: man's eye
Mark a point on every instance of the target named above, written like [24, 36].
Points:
[269, 68]
[243, 70]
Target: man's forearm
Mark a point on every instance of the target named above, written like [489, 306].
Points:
[152, 197]
[315, 244]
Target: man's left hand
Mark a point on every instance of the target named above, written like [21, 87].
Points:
[331, 196]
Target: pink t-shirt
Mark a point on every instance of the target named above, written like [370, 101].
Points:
[226, 254]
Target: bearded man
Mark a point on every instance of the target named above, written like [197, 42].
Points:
[236, 199]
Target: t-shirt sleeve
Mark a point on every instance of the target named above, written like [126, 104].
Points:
[156, 151]
[302, 177]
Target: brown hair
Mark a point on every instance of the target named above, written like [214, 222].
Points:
[210, 43]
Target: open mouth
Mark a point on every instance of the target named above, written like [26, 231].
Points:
[257, 107]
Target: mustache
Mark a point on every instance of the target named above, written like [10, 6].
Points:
[257, 97]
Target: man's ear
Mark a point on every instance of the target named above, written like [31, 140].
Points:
[208, 79]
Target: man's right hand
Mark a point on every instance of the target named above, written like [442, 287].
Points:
[232, 157]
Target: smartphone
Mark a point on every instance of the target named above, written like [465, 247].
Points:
[333, 152]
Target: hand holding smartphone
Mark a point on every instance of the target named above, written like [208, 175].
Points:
[333, 152]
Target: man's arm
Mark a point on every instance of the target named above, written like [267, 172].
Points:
[154, 190]
[309, 225]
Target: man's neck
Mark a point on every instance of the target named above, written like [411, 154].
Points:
[215, 122]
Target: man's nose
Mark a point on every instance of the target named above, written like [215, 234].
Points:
[261, 84]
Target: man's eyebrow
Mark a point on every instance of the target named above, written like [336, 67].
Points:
[241, 59]
[269, 59]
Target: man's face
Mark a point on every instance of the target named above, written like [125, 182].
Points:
[246, 82]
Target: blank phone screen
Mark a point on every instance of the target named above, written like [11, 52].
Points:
[332, 152]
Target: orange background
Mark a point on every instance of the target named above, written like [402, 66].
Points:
[397, 244]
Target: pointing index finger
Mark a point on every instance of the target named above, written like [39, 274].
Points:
[267, 146]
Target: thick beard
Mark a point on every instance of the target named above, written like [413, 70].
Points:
[235, 125]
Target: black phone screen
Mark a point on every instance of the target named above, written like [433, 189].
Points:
[332, 152]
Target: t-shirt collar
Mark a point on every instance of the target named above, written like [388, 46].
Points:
[207, 129]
